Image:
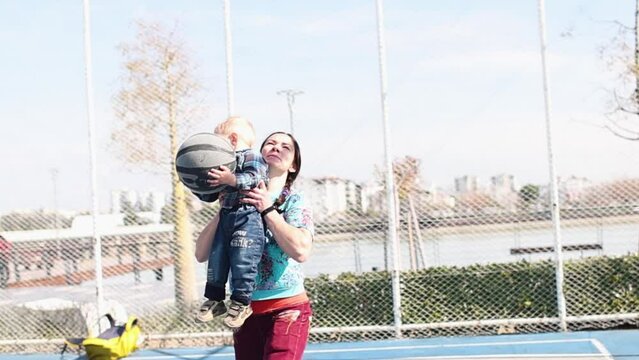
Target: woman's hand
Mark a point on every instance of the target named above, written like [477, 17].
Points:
[258, 197]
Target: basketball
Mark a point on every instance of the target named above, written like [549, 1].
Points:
[197, 155]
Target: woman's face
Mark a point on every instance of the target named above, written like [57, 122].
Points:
[278, 152]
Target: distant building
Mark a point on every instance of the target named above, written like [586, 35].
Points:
[573, 188]
[466, 184]
[152, 201]
[147, 204]
[331, 195]
[373, 197]
[503, 189]
[503, 183]
[121, 197]
[439, 202]
[426, 199]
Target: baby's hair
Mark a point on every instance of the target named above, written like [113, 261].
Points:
[239, 125]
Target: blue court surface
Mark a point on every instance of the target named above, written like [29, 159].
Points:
[612, 344]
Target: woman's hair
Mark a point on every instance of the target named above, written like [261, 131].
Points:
[292, 175]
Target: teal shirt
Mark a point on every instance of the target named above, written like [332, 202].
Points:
[279, 276]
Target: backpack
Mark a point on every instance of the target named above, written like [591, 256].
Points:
[116, 342]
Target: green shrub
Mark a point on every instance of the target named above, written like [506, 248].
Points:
[479, 292]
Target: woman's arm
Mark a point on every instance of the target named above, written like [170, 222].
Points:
[205, 239]
[296, 242]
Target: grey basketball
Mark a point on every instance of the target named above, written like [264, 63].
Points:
[200, 153]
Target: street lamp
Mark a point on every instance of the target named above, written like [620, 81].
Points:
[290, 100]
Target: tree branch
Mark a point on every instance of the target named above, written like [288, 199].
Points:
[619, 130]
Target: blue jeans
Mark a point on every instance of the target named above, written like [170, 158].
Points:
[237, 246]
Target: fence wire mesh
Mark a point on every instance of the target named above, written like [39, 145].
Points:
[476, 252]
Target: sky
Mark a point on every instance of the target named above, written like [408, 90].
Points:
[464, 88]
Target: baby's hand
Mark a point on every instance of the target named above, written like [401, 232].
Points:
[221, 176]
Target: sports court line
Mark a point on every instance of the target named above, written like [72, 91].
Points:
[603, 351]
[178, 356]
[464, 345]
[510, 356]
[583, 356]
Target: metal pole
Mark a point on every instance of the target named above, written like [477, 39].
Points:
[230, 97]
[97, 244]
[56, 226]
[390, 185]
[636, 99]
[290, 101]
[559, 262]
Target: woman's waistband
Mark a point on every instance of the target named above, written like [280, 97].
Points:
[271, 305]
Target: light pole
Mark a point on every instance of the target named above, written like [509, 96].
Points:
[290, 100]
[230, 96]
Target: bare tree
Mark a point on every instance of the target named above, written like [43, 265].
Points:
[406, 172]
[622, 54]
[158, 100]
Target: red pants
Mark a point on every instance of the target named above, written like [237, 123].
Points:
[280, 335]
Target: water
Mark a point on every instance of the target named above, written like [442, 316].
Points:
[364, 252]
[359, 252]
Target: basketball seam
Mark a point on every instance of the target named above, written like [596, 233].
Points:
[203, 147]
[198, 170]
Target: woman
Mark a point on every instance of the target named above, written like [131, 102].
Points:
[279, 326]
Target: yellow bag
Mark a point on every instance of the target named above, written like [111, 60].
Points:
[116, 342]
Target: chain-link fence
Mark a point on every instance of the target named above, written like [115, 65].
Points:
[476, 249]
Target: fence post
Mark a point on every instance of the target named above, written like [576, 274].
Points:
[390, 185]
[88, 69]
[554, 193]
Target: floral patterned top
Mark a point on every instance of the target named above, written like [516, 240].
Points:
[279, 276]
